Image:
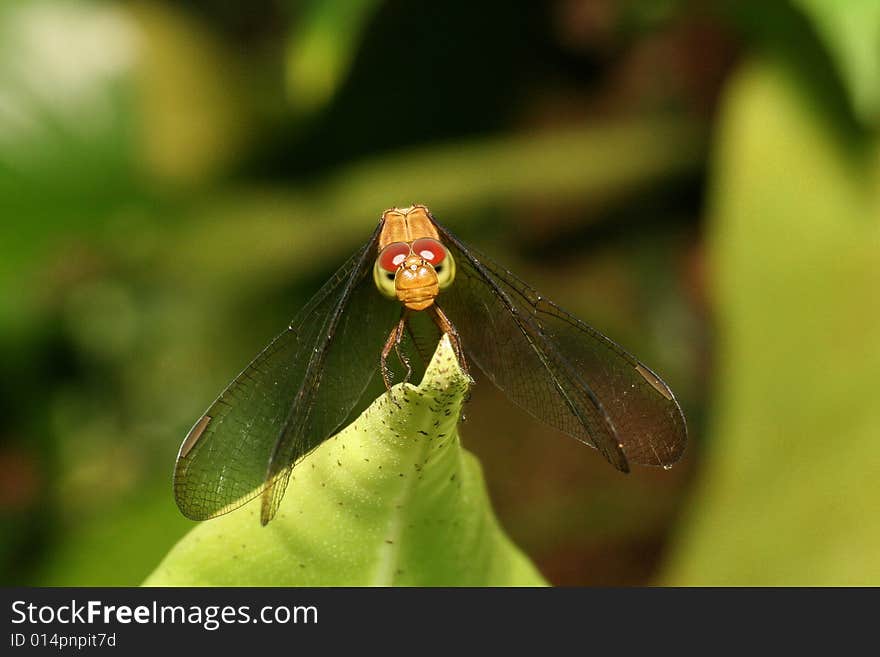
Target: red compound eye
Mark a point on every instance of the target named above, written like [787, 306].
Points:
[393, 255]
[430, 250]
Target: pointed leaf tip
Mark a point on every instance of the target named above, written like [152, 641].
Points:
[393, 499]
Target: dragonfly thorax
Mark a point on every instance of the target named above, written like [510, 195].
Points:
[406, 225]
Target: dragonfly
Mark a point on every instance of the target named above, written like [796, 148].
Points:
[412, 282]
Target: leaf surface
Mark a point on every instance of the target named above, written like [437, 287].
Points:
[393, 499]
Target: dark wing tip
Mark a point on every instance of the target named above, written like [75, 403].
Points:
[193, 436]
[675, 441]
[656, 382]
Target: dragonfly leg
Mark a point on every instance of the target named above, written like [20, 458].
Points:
[402, 356]
[393, 342]
[447, 327]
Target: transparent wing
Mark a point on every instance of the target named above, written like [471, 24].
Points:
[558, 368]
[325, 358]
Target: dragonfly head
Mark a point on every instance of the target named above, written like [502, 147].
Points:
[414, 272]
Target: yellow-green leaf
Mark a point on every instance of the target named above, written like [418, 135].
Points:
[789, 492]
[851, 32]
[393, 499]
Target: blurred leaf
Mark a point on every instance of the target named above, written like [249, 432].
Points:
[92, 96]
[392, 499]
[63, 131]
[789, 492]
[321, 49]
[193, 104]
[65, 126]
[851, 30]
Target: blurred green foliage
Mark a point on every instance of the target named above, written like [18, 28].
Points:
[851, 31]
[176, 179]
[321, 49]
[789, 492]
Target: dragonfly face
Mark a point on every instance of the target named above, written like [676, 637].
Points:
[412, 265]
[302, 387]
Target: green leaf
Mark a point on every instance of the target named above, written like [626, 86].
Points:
[789, 492]
[851, 31]
[393, 499]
